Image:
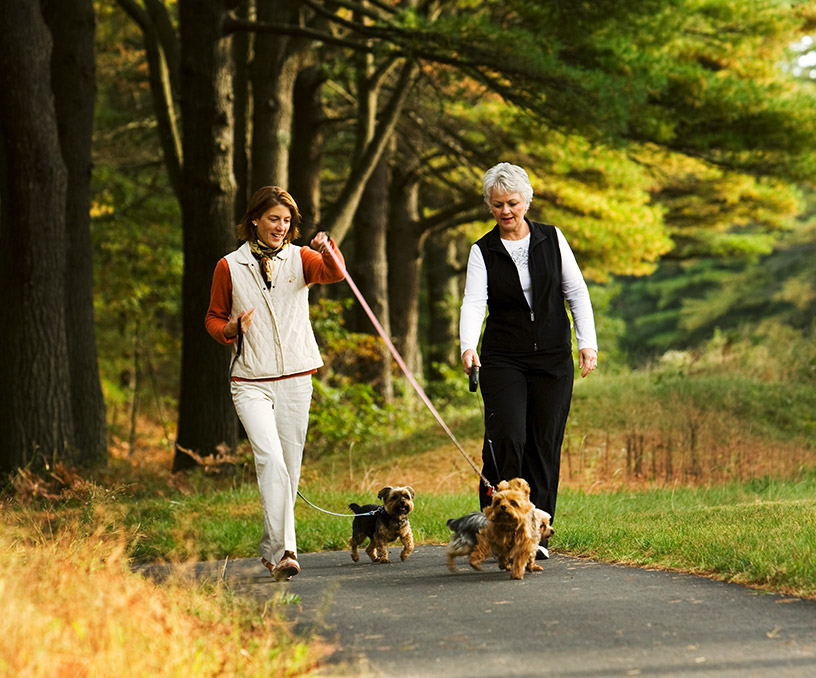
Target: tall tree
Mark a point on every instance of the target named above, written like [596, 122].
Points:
[36, 415]
[206, 414]
[74, 84]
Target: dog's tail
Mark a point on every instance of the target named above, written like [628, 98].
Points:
[356, 508]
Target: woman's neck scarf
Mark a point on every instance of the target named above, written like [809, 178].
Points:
[264, 254]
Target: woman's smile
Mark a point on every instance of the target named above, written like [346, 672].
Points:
[274, 225]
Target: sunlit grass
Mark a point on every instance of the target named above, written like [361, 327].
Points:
[71, 606]
[761, 533]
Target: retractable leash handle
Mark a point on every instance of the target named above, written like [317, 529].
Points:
[474, 378]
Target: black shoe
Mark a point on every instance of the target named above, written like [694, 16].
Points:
[542, 553]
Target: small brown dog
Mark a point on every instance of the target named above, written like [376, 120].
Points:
[466, 533]
[388, 523]
[512, 531]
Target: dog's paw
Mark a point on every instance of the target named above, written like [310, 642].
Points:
[535, 568]
[355, 557]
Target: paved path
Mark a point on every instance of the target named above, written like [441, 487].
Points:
[578, 618]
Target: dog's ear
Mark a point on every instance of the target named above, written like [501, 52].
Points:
[410, 491]
[503, 485]
[384, 492]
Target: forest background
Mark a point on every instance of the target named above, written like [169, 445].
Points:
[672, 141]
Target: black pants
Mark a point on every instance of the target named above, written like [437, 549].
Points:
[527, 401]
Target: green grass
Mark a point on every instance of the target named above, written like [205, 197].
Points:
[761, 533]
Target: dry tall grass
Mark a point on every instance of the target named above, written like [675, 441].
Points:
[70, 607]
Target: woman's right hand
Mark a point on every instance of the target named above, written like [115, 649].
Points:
[231, 328]
[470, 358]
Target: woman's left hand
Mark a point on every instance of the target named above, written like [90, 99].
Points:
[587, 361]
[321, 242]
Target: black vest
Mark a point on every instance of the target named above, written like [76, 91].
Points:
[512, 327]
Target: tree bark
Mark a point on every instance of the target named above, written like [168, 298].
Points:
[242, 46]
[36, 420]
[442, 263]
[370, 267]
[405, 242]
[275, 70]
[74, 84]
[206, 414]
[308, 139]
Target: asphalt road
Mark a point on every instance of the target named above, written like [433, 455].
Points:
[577, 618]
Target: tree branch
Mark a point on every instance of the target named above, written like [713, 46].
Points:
[234, 25]
[161, 90]
[340, 221]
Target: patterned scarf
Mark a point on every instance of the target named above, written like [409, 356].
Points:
[264, 254]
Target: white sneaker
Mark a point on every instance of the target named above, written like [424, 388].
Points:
[542, 553]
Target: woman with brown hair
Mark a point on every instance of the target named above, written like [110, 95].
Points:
[259, 304]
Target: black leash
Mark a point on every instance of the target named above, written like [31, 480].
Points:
[238, 348]
[474, 386]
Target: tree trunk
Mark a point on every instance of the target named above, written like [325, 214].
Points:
[242, 48]
[307, 147]
[275, 69]
[74, 86]
[206, 414]
[404, 267]
[442, 263]
[370, 267]
[36, 421]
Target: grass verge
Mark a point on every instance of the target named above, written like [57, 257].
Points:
[71, 606]
[761, 533]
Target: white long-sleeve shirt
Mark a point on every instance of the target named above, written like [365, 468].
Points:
[573, 287]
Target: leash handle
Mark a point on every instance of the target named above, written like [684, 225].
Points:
[474, 378]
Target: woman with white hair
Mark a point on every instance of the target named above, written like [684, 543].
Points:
[522, 272]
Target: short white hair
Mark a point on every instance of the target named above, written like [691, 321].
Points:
[507, 178]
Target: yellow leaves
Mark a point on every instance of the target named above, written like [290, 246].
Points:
[101, 210]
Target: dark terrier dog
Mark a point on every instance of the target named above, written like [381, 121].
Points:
[389, 523]
[465, 536]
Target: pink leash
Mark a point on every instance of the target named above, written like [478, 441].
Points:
[403, 366]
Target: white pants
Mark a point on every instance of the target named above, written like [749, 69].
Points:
[275, 415]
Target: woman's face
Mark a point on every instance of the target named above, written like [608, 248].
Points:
[274, 225]
[508, 210]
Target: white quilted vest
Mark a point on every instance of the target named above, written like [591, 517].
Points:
[280, 341]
